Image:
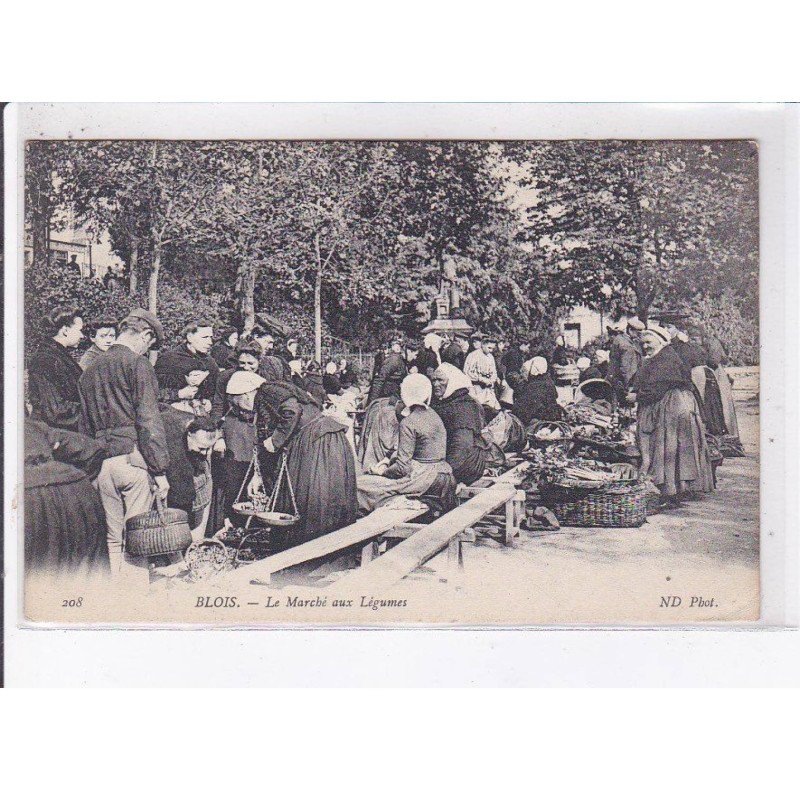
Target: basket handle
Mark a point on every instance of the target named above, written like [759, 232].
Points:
[158, 503]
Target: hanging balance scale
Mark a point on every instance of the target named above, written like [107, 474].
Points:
[260, 506]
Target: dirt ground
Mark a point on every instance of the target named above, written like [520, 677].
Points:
[707, 551]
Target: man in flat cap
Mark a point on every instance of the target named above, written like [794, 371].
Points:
[119, 395]
[625, 357]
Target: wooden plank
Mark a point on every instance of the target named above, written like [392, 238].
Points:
[403, 531]
[426, 543]
[374, 524]
[514, 475]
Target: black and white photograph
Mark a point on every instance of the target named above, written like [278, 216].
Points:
[492, 382]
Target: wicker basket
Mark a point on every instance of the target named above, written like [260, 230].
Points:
[158, 532]
[617, 505]
[535, 427]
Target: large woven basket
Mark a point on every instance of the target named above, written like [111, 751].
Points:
[617, 505]
[158, 532]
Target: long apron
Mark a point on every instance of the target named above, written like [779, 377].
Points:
[375, 490]
[672, 439]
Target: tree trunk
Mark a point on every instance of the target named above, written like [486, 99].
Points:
[155, 268]
[39, 239]
[318, 304]
[133, 288]
[245, 295]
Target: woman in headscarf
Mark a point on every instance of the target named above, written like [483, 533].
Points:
[319, 459]
[670, 431]
[535, 396]
[461, 414]
[225, 471]
[421, 451]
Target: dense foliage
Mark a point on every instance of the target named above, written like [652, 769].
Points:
[350, 237]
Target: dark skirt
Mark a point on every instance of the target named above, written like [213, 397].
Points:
[228, 474]
[65, 530]
[322, 468]
[714, 411]
[380, 432]
[672, 440]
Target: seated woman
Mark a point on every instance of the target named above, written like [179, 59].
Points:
[319, 459]
[421, 451]
[670, 431]
[535, 396]
[65, 526]
[463, 421]
[380, 432]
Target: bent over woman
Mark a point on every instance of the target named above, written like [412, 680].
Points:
[319, 459]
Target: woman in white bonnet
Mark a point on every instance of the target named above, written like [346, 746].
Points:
[421, 451]
[669, 430]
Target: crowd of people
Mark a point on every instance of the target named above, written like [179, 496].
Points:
[214, 418]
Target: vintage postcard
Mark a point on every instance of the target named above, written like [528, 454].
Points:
[385, 380]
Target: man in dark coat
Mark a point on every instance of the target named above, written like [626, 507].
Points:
[190, 440]
[455, 352]
[625, 358]
[119, 396]
[53, 373]
[513, 359]
[174, 365]
[271, 357]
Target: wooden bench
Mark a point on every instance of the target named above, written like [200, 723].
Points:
[424, 543]
[385, 523]
[369, 527]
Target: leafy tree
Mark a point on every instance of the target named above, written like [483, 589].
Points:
[627, 223]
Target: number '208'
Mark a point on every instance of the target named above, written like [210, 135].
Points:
[76, 602]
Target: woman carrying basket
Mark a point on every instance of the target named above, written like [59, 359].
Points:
[319, 459]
